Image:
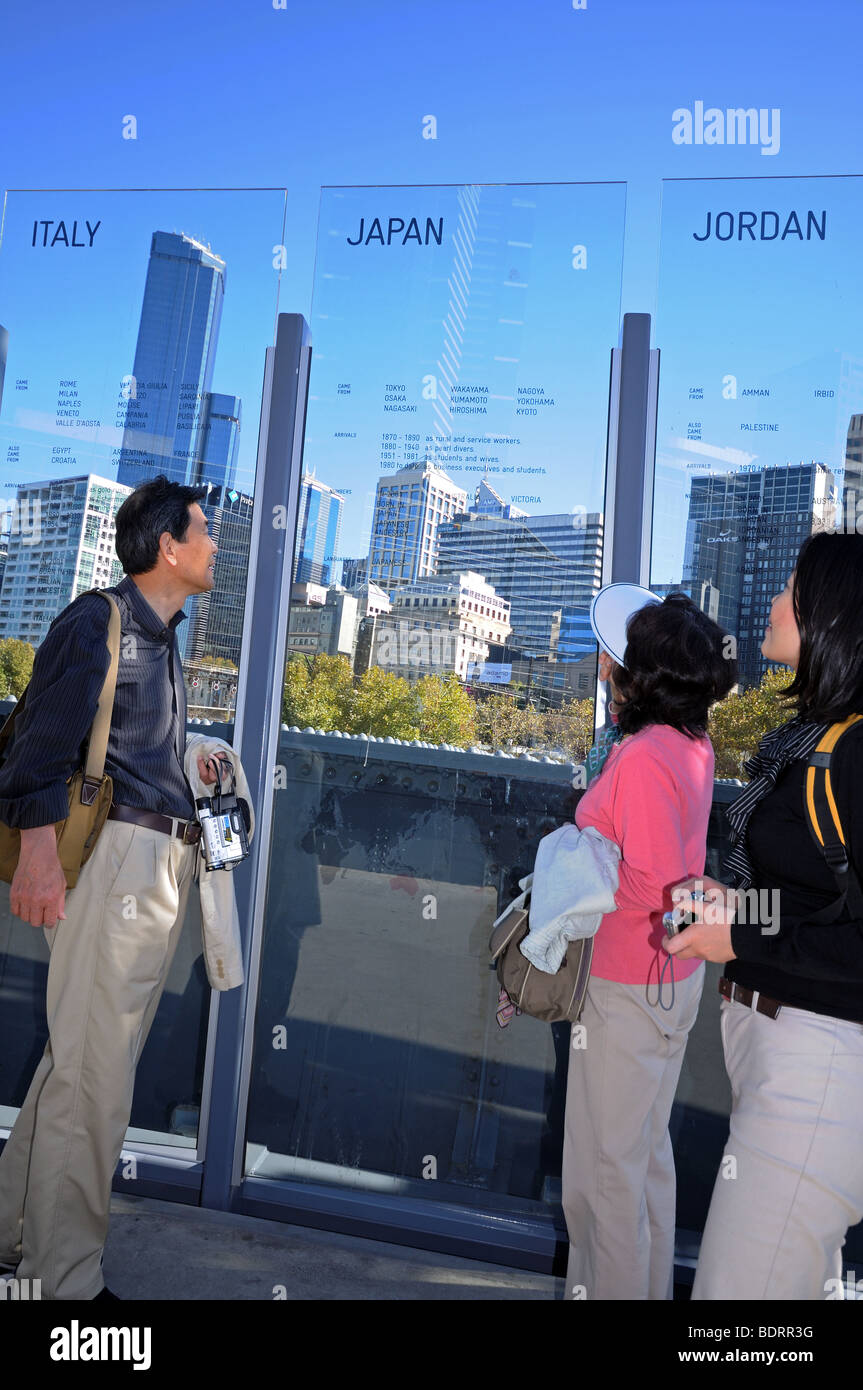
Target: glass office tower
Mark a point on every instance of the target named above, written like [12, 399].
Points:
[543, 565]
[4, 351]
[411, 507]
[318, 524]
[218, 440]
[174, 359]
[743, 534]
[216, 623]
[852, 480]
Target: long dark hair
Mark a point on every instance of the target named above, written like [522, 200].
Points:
[678, 663]
[828, 608]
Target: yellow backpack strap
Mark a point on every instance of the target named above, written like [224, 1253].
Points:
[824, 822]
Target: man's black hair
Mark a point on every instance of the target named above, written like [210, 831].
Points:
[155, 506]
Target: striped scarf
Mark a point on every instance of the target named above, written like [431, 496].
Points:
[795, 739]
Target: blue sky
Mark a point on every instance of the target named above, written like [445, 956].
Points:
[244, 95]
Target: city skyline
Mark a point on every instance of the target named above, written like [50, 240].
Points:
[175, 356]
[105, 291]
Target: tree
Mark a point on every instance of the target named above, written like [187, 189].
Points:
[569, 728]
[16, 667]
[216, 661]
[445, 711]
[383, 704]
[318, 691]
[500, 721]
[739, 722]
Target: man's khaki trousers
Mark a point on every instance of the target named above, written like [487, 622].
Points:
[110, 959]
[619, 1188]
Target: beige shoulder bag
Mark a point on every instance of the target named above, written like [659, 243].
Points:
[90, 789]
[552, 998]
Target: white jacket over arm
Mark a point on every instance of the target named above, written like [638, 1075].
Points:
[220, 922]
[573, 885]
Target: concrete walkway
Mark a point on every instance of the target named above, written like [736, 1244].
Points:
[164, 1250]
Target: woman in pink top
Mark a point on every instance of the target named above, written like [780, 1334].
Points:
[653, 799]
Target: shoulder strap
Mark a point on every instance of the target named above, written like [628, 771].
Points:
[822, 817]
[97, 744]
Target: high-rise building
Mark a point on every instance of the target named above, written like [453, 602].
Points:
[447, 401]
[174, 360]
[372, 602]
[411, 505]
[5, 537]
[487, 501]
[853, 478]
[61, 543]
[318, 525]
[355, 572]
[493, 254]
[216, 618]
[743, 534]
[547, 567]
[576, 638]
[440, 624]
[4, 353]
[218, 440]
[322, 620]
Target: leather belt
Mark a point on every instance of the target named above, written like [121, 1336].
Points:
[741, 995]
[189, 831]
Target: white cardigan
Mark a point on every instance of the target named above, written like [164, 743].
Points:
[220, 922]
[572, 886]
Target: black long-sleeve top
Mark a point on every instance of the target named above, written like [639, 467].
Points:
[147, 738]
[806, 966]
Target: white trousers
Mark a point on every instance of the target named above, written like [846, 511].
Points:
[791, 1178]
[110, 959]
[619, 1190]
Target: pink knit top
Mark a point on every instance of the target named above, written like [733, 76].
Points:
[652, 798]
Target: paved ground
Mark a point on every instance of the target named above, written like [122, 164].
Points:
[163, 1250]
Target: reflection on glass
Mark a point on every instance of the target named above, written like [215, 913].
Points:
[439, 682]
[761, 394]
[132, 344]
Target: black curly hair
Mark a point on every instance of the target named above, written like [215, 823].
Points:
[679, 662]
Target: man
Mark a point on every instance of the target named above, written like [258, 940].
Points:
[113, 936]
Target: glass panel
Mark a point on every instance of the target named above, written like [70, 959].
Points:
[759, 443]
[439, 682]
[134, 330]
[761, 388]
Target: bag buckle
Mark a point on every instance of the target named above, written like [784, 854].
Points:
[836, 857]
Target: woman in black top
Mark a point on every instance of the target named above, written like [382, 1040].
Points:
[791, 1179]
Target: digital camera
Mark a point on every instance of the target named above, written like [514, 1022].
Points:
[223, 821]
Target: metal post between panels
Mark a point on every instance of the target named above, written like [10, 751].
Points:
[635, 438]
[256, 735]
[628, 506]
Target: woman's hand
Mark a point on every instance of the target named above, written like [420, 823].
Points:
[709, 938]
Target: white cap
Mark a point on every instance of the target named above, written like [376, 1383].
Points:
[611, 610]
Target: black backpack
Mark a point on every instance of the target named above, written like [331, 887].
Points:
[822, 817]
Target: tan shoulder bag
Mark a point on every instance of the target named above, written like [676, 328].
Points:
[552, 998]
[90, 789]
